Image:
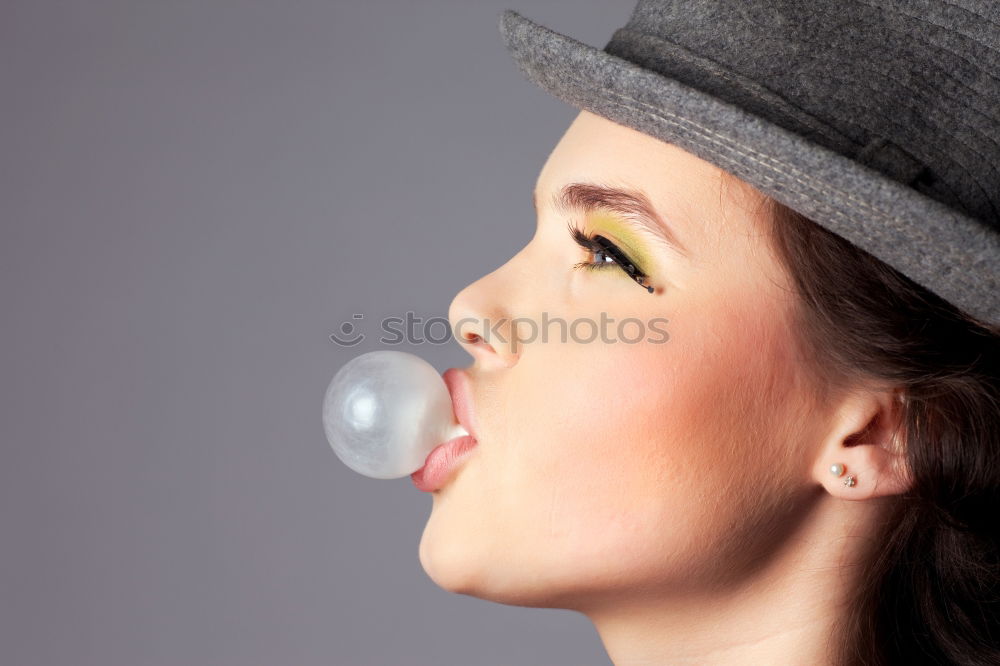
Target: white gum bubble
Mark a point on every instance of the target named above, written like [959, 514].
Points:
[384, 411]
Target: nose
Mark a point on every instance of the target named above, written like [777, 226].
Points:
[483, 324]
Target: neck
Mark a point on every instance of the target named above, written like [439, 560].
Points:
[788, 611]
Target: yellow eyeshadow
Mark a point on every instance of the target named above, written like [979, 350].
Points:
[620, 233]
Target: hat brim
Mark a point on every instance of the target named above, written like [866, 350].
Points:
[951, 254]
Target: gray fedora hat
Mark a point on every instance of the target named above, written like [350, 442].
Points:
[878, 119]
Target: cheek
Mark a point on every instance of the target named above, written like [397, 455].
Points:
[612, 455]
[641, 458]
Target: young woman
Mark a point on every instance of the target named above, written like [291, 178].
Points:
[763, 426]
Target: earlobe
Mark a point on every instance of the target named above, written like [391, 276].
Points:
[879, 481]
[864, 454]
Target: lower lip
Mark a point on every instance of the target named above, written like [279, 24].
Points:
[441, 462]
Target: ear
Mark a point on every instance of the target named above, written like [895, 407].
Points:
[867, 438]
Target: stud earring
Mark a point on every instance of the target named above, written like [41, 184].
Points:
[837, 469]
[849, 481]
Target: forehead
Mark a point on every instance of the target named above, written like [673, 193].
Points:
[680, 185]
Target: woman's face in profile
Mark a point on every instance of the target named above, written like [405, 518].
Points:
[658, 457]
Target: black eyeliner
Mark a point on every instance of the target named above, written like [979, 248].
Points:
[600, 243]
[623, 261]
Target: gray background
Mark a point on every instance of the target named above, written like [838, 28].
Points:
[194, 196]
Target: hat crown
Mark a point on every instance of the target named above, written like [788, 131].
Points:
[912, 94]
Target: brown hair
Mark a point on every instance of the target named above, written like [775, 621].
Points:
[931, 591]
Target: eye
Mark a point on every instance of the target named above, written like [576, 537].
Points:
[604, 251]
[607, 254]
[602, 256]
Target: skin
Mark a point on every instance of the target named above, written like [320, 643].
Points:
[677, 494]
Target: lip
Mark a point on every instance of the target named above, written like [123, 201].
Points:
[442, 463]
[444, 459]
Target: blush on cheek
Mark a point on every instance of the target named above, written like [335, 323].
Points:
[629, 454]
[606, 448]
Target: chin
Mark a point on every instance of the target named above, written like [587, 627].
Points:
[450, 561]
[490, 574]
[462, 567]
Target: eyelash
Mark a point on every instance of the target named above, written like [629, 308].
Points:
[600, 245]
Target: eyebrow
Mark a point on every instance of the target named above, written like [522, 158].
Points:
[632, 205]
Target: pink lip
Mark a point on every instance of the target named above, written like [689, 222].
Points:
[444, 459]
[442, 462]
